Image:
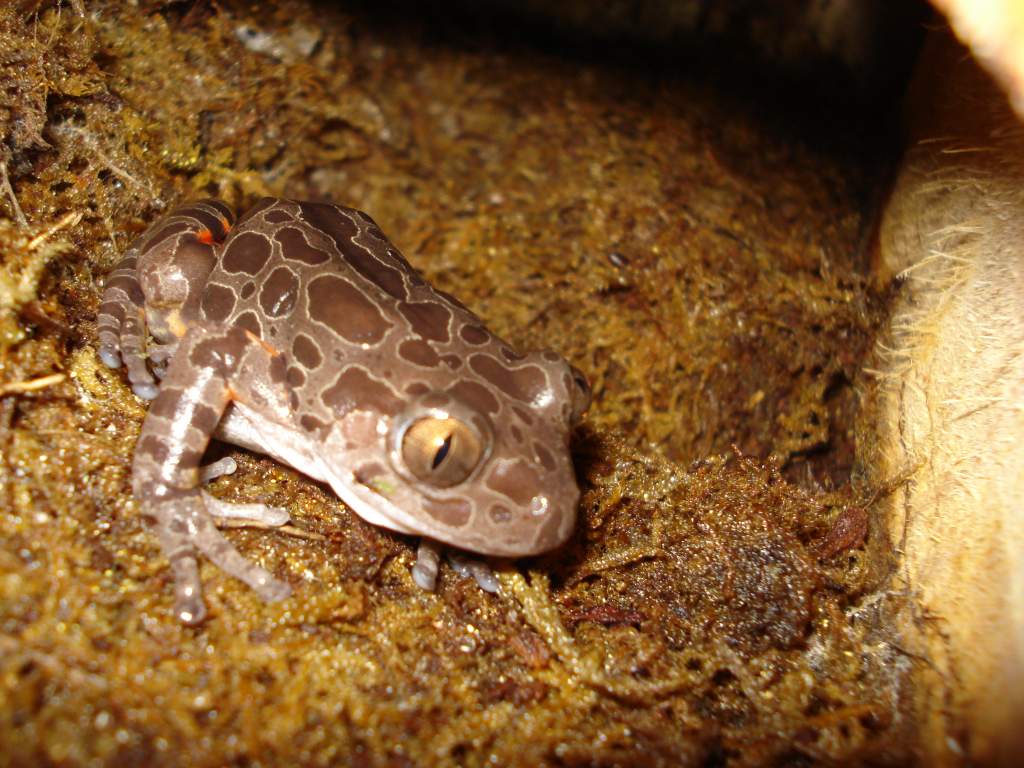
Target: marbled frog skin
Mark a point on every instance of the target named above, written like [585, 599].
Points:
[301, 332]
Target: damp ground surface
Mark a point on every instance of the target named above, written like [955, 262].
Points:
[696, 255]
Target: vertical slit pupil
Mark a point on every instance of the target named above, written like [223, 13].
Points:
[442, 452]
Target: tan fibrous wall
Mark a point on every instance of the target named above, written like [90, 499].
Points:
[947, 415]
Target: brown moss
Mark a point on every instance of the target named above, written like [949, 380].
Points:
[698, 265]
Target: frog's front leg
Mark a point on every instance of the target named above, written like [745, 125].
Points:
[428, 556]
[208, 372]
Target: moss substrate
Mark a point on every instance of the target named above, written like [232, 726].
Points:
[696, 259]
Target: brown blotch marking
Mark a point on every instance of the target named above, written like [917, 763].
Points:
[190, 457]
[511, 355]
[411, 272]
[261, 205]
[277, 216]
[372, 229]
[278, 369]
[306, 352]
[296, 377]
[246, 252]
[517, 480]
[171, 229]
[204, 218]
[340, 306]
[338, 225]
[418, 352]
[355, 388]
[294, 246]
[192, 258]
[166, 404]
[524, 415]
[155, 448]
[474, 334]
[250, 322]
[551, 356]
[544, 456]
[111, 315]
[429, 320]
[312, 424]
[416, 389]
[205, 419]
[476, 396]
[222, 207]
[500, 514]
[248, 289]
[521, 383]
[222, 353]
[280, 292]
[452, 300]
[218, 302]
[130, 285]
[453, 512]
[516, 433]
[452, 361]
[293, 400]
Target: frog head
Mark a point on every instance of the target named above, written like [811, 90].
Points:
[479, 460]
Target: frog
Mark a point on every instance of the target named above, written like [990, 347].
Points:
[299, 331]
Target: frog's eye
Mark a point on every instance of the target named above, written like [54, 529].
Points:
[442, 452]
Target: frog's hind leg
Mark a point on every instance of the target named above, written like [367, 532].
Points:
[165, 472]
[157, 287]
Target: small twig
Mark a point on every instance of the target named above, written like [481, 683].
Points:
[67, 220]
[20, 387]
[5, 182]
[291, 530]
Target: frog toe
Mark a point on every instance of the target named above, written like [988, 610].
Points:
[219, 468]
[190, 611]
[424, 572]
[147, 390]
[223, 554]
[262, 515]
[481, 572]
[109, 355]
